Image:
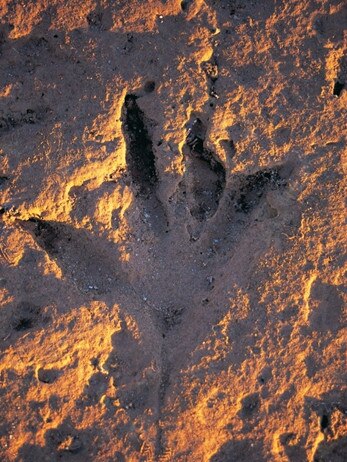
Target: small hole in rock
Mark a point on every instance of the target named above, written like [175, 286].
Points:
[184, 5]
[338, 87]
[3, 180]
[23, 324]
[324, 422]
[47, 375]
[149, 86]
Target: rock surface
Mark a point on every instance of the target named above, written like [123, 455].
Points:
[172, 230]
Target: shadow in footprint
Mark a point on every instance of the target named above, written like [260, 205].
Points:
[244, 201]
[140, 156]
[248, 190]
[91, 264]
[141, 162]
[205, 174]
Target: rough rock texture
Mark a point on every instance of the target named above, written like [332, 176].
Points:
[172, 230]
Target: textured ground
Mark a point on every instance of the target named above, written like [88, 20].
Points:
[172, 241]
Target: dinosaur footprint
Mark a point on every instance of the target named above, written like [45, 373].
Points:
[144, 377]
